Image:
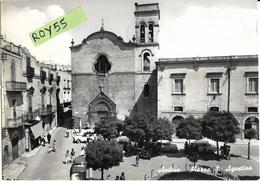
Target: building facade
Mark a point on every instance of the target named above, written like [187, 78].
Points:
[113, 78]
[193, 86]
[29, 100]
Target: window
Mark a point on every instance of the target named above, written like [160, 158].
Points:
[14, 103]
[102, 65]
[252, 85]
[214, 109]
[150, 32]
[214, 80]
[251, 82]
[146, 90]
[178, 108]
[28, 62]
[178, 83]
[29, 103]
[13, 70]
[214, 85]
[142, 33]
[252, 109]
[146, 62]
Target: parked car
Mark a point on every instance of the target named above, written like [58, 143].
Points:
[203, 146]
[83, 137]
[78, 169]
[144, 155]
[167, 146]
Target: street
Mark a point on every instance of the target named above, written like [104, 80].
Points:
[50, 166]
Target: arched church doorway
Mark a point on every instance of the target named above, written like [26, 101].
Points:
[101, 108]
[252, 122]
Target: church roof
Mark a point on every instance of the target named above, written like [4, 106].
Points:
[117, 40]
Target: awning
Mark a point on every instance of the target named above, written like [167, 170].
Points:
[37, 130]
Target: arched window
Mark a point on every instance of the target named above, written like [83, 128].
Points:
[142, 33]
[102, 65]
[146, 90]
[150, 32]
[214, 109]
[146, 62]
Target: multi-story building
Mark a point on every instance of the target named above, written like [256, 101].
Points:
[13, 90]
[29, 99]
[195, 85]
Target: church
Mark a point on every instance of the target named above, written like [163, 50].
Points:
[111, 77]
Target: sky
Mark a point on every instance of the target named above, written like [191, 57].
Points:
[187, 27]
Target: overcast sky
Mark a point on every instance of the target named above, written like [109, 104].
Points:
[187, 27]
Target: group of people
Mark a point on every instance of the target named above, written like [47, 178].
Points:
[122, 177]
[42, 139]
[225, 151]
[69, 156]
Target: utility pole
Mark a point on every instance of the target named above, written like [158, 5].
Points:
[228, 99]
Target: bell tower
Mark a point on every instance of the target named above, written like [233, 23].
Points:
[147, 18]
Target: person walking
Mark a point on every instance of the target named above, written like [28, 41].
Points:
[117, 177]
[137, 160]
[54, 146]
[122, 177]
[67, 157]
[49, 138]
[72, 154]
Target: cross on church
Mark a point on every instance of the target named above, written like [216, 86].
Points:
[102, 25]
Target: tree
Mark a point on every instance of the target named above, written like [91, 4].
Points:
[190, 128]
[193, 157]
[162, 129]
[103, 155]
[249, 134]
[106, 128]
[139, 128]
[220, 126]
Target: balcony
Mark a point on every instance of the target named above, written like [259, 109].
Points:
[47, 110]
[31, 116]
[13, 86]
[14, 122]
[30, 72]
[14, 119]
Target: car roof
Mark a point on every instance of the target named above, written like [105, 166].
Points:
[201, 142]
[79, 159]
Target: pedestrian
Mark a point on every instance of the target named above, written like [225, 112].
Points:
[49, 138]
[67, 133]
[72, 154]
[122, 177]
[82, 152]
[67, 157]
[117, 177]
[54, 146]
[43, 141]
[137, 160]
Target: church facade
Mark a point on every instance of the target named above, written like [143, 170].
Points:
[113, 78]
